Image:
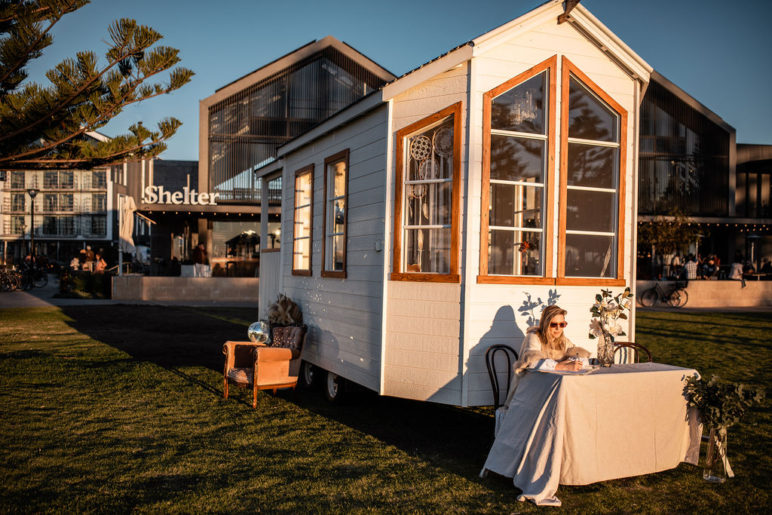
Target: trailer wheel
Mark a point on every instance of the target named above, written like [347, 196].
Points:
[308, 374]
[334, 388]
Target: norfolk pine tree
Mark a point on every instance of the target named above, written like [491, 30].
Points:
[43, 127]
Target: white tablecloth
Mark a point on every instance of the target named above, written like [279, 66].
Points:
[622, 421]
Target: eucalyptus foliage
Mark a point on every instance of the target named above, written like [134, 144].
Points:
[43, 126]
[607, 310]
[721, 404]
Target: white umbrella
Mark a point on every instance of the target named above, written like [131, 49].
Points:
[126, 225]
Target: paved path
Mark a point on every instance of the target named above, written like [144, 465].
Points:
[44, 297]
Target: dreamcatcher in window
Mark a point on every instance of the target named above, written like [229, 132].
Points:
[420, 151]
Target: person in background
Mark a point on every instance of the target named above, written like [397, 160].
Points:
[200, 261]
[709, 269]
[691, 267]
[748, 270]
[766, 268]
[675, 266]
[736, 270]
[75, 263]
[99, 264]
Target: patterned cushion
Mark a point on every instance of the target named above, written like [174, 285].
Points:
[290, 337]
[240, 375]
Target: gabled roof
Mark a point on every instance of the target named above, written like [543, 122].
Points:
[690, 101]
[294, 57]
[579, 18]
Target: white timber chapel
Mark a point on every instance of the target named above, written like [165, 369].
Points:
[439, 214]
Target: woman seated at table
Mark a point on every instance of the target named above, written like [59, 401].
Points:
[546, 347]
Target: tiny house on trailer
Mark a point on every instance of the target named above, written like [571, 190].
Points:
[438, 215]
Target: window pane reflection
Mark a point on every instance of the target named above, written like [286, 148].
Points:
[428, 250]
[592, 166]
[515, 206]
[302, 257]
[521, 109]
[428, 197]
[590, 256]
[589, 117]
[514, 253]
[429, 204]
[591, 211]
[517, 159]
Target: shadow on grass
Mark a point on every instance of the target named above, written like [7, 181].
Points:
[455, 439]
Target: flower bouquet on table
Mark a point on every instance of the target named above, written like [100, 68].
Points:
[606, 313]
[720, 405]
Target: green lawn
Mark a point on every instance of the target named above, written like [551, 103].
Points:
[118, 408]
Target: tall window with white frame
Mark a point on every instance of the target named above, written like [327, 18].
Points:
[518, 179]
[303, 219]
[592, 182]
[335, 214]
[426, 225]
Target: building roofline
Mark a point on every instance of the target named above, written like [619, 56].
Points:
[691, 101]
[294, 57]
[298, 49]
[581, 19]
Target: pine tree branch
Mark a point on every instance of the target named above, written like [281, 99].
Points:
[64, 104]
[37, 11]
[117, 107]
[119, 53]
[110, 159]
[32, 46]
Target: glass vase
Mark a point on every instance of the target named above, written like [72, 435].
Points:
[605, 350]
[714, 470]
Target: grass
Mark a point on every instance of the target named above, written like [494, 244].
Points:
[119, 408]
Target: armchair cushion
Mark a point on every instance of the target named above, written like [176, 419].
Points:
[289, 337]
[241, 375]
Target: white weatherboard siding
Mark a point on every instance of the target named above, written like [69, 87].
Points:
[423, 320]
[344, 315]
[492, 313]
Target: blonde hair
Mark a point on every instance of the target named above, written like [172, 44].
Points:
[553, 349]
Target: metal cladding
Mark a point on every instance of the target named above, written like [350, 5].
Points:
[247, 128]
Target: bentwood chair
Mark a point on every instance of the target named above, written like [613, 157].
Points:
[264, 367]
[631, 352]
[510, 356]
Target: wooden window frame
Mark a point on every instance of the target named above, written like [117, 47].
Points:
[568, 69]
[343, 155]
[547, 235]
[453, 276]
[301, 271]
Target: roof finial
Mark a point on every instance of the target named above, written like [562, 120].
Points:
[568, 5]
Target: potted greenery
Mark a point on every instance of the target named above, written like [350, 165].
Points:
[720, 405]
[607, 310]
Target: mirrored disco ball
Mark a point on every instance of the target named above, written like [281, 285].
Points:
[259, 332]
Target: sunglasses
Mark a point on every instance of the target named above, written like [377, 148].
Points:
[558, 324]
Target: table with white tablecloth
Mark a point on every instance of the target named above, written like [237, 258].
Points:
[577, 429]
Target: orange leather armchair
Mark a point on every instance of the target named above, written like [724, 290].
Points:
[263, 367]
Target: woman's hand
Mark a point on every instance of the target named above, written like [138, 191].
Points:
[569, 365]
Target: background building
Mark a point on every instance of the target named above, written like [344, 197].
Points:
[241, 127]
[690, 164]
[73, 209]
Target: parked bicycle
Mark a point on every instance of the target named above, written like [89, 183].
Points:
[677, 297]
[10, 279]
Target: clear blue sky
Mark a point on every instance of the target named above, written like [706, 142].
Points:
[715, 50]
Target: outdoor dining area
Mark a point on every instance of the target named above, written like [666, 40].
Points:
[578, 421]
